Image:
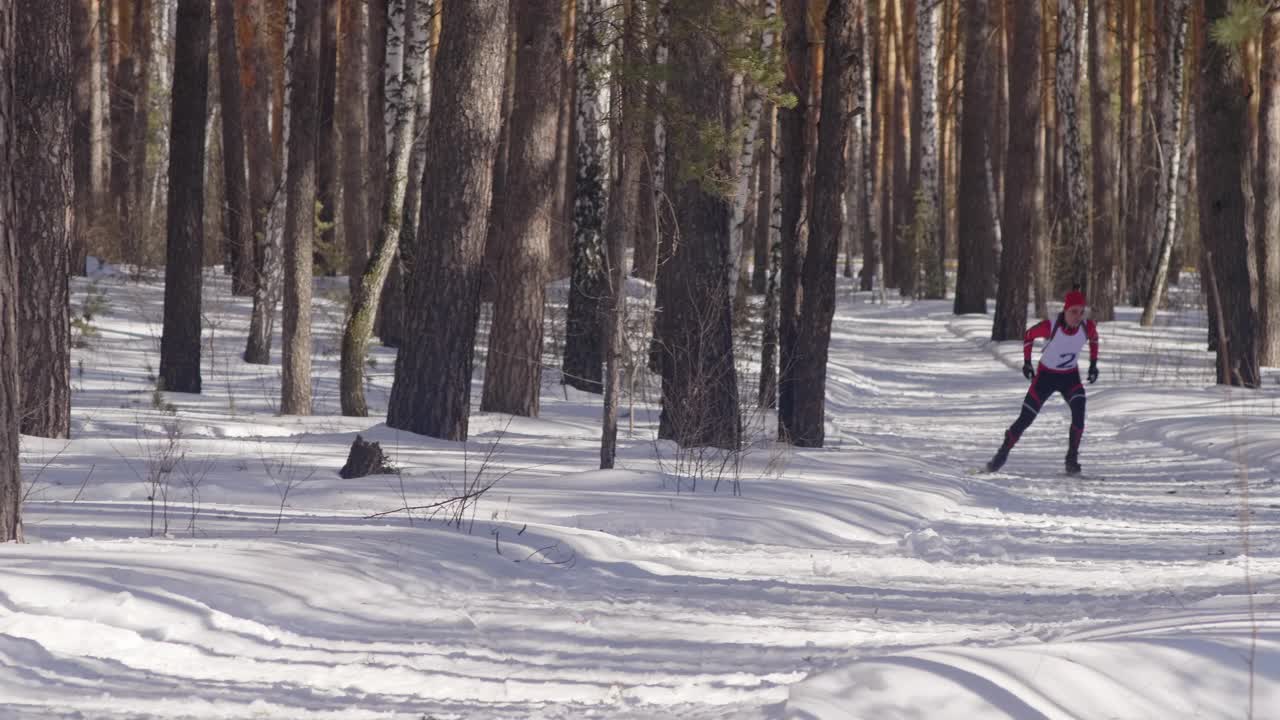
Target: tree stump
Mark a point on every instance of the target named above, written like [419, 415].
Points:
[365, 458]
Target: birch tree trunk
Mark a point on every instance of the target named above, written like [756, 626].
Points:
[1267, 196]
[300, 207]
[927, 222]
[764, 204]
[768, 392]
[976, 241]
[42, 189]
[364, 304]
[584, 337]
[432, 390]
[743, 165]
[623, 224]
[840, 90]
[1167, 202]
[1024, 189]
[10, 371]
[391, 306]
[1072, 262]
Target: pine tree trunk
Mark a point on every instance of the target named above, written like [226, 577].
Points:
[791, 142]
[10, 372]
[432, 390]
[1105, 200]
[584, 336]
[257, 88]
[872, 262]
[976, 241]
[651, 209]
[364, 303]
[139, 124]
[42, 190]
[376, 92]
[513, 370]
[907, 130]
[699, 380]
[124, 88]
[81, 133]
[327, 142]
[840, 90]
[1267, 196]
[1024, 191]
[300, 209]
[237, 214]
[1072, 268]
[562, 229]
[1167, 200]
[354, 158]
[1220, 115]
[183, 279]
[494, 240]
[888, 145]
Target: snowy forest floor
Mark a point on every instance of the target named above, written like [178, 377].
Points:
[875, 578]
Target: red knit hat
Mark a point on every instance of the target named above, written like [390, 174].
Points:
[1073, 298]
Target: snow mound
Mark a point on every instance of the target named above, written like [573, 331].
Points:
[1201, 667]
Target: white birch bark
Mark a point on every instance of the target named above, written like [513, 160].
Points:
[1071, 265]
[928, 29]
[402, 109]
[1171, 151]
[394, 68]
[742, 164]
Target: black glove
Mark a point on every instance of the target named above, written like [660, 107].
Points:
[1027, 371]
[1093, 371]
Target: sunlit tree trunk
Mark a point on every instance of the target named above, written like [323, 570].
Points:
[42, 191]
[431, 394]
[300, 210]
[1267, 196]
[10, 370]
[513, 370]
[1102, 131]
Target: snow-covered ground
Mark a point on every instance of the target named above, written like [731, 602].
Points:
[199, 557]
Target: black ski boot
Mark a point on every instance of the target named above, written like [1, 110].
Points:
[997, 461]
[1072, 465]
